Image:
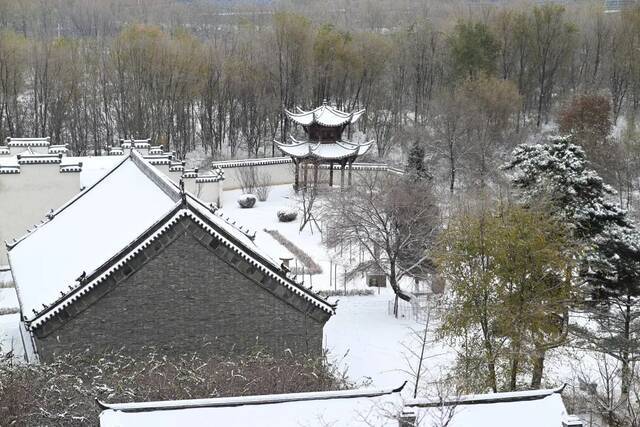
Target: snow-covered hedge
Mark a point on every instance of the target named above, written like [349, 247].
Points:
[287, 214]
[247, 201]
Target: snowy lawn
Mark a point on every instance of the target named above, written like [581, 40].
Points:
[375, 347]
[8, 299]
[264, 216]
[10, 335]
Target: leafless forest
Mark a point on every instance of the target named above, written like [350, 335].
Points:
[460, 82]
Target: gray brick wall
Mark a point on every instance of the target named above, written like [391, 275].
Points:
[184, 296]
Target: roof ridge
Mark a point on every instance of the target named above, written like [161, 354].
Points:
[169, 187]
[249, 400]
[477, 399]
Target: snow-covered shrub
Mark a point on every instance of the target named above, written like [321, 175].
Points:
[287, 214]
[247, 201]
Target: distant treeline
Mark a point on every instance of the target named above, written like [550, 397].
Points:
[190, 74]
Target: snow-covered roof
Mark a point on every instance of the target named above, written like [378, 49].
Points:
[28, 142]
[82, 238]
[324, 115]
[328, 151]
[60, 148]
[531, 408]
[137, 143]
[335, 408]
[82, 235]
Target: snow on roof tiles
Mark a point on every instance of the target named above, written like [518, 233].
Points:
[324, 115]
[28, 142]
[82, 236]
[332, 151]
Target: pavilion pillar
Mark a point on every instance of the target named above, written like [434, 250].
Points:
[296, 182]
[342, 176]
[305, 167]
[350, 167]
[315, 175]
[330, 174]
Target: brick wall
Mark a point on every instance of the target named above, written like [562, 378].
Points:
[178, 299]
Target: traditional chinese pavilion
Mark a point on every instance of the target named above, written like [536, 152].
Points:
[324, 144]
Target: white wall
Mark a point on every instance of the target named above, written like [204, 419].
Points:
[280, 169]
[26, 197]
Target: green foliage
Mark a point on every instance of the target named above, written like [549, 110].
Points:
[508, 276]
[473, 49]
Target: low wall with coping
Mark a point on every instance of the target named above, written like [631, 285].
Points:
[282, 171]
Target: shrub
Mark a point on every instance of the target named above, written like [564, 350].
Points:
[287, 214]
[247, 178]
[63, 392]
[247, 201]
[263, 186]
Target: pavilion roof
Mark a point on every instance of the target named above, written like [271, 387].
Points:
[326, 151]
[324, 115]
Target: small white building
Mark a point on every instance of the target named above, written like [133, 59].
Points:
[532, 408]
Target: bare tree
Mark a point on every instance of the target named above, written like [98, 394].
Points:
[393, 218]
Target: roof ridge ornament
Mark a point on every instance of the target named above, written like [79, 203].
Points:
[183, 194]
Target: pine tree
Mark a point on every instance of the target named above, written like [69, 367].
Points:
[415, 161]
[558, 174]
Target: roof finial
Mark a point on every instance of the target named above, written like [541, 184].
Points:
[183, 194]
[324, 101]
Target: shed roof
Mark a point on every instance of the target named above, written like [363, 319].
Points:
[336, 408]
[531, 408]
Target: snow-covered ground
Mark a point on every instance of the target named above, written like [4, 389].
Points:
[374, 347]
[10, 335]
[263, 216]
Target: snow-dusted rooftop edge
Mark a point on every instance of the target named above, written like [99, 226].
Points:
[324, 115]
[473, 399]
[331, 151]
[335, 408]
[265, 399]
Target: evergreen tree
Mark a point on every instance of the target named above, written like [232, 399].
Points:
[558, 173]
[415, 161]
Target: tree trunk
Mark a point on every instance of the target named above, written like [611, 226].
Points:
[395, 306]
[538, 368]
